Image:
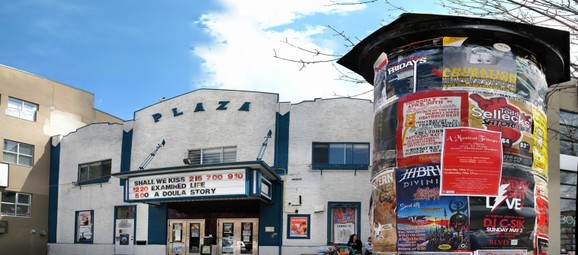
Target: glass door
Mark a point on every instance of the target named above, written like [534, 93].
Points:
[238, 236]
[185, 237]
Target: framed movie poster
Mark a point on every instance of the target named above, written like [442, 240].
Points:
[298, 226]
[84, 226]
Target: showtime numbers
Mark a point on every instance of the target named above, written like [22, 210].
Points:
[216, 177]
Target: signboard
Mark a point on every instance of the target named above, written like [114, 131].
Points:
[3, 175]
[469, 156]
[187, 185]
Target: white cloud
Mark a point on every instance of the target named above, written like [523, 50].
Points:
[245, 35]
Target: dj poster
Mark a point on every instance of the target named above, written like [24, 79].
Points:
[427, 221]
[510, 117]
[344, 219]
[422, 118]
[478, 65]
[382, 214]
[471, 155]
[505, 221]
[412, 68]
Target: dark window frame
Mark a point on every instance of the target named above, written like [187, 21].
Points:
[321, 156]
[103, 175]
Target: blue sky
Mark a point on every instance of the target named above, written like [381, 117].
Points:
[130, 53]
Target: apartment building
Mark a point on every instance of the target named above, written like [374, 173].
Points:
[33, 109]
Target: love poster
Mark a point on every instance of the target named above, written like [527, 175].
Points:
[471, 162]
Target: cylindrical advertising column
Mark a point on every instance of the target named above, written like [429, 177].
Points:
[460, 163]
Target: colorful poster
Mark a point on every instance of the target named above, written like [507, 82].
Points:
[344, 220]
[382, 212]
[540, 162]
[84, 225]
[510, 117]
[384, 129]
[505, 221]
[471, 155]
[542, 220]
[478, 65]
[298, 226]
[427, 221]
[422, 117]
[412, 68]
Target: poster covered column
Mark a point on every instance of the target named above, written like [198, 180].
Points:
[459, 151]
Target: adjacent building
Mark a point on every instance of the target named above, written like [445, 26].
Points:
[33, 109]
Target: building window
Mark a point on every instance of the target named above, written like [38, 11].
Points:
[343, 221]
[568, 133]
[353, 156]
[213, 155]
[21, 109]
[16, 204]
[18, 153]
[567, 211]
[84, 226]
[94, 172]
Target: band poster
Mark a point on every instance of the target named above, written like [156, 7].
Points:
[382, 211]
[505, 221]
[412, 68]
[84, 226]
[426, 220]
[422, 118]
[384, 128]
[471, 155]
[540, 162]
[510, 117]
[478, 65]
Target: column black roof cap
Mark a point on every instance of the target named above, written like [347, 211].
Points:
[551, 46]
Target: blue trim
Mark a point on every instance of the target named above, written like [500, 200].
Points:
[331, 205]
[307, 226]
[340, 166]
[157, 224]
[282, 142]
[125, 152]
[93, 181]
[271, 215]
[53, 192]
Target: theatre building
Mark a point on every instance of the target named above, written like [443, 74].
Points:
[214, 172]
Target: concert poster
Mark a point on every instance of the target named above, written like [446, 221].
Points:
[478, 65]
[540, 162]
[471, 155]
[512, 118]
[427, 221]
[382, 211]
[422, 118]
[542, 220]
[531, 82]
[505, 221]
[384, 130]
[412, 68]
